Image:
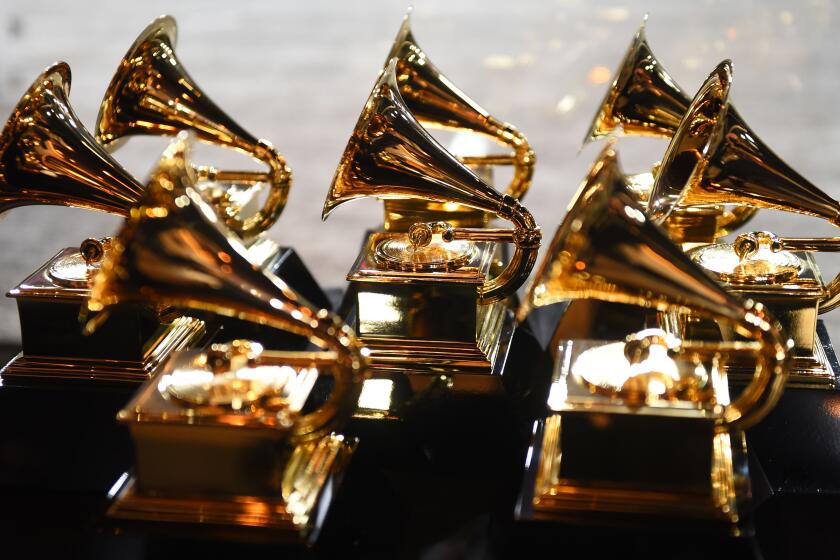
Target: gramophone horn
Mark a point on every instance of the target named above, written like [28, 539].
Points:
[152, 94]
[391, 156]
[607, 249]
[643, 99]
[714, 158]
[174, 252]
[48, 157]
[437, 103]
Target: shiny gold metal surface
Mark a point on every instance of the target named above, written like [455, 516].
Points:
[437, 103]
[615, 402]
[289, 516]
[430, 254]
[48, 157]
[607, 249]
[174, 251]
[764, 266]
[212, 434]
[644, 100]
[54, 348]
[152, 94]
[714, 158]
[780, 273]
[391, 156]
[429, 323]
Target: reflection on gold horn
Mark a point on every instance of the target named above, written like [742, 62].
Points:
[644, 100]
[48, 157]
[607, 249]
[714, 158]
[174, 252]
[391, 156]
[436, 102]
[151, 93]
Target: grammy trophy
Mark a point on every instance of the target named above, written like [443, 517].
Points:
[430, 302]
[644, 100]
[712, 159]
[48, 157]
[437, 104]
[151, 93]
[221, 436]
[601, 455]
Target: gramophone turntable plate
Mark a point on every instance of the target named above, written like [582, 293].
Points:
[398, 253]
[268, 387]
[765, 267]
[72, 271]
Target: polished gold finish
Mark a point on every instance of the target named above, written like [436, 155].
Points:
[427, 324]
[174, 252]
[48, 305]
[391, 156]
[152, 94]
[764, 267]
[607, 249]
[644, 100]
[615, 402]
[215, 444]
[286, 517]
[714, 158]
[48, 157]
[436, 103]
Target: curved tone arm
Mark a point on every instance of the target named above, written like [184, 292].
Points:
[747, 244]
[526, 237]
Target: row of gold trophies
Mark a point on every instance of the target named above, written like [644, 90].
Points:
[662, 316]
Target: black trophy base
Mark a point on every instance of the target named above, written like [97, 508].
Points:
[287, 265]
[62, 438]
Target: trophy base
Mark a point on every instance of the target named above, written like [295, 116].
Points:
[428, 327]
[818, 370]
[313, 484]
[465, 366]
[547, 496]
[182, 333]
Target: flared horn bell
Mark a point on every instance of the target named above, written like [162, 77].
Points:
[607, 249]
[152, 94]
[173, 251]
[437, 103]
[714, 158]
[48, 157]
[643, 99]
[391, 156]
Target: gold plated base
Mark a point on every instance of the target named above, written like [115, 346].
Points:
[807, 371]
[425, 325]
[555, 498]
[181, 334]
[309, 482]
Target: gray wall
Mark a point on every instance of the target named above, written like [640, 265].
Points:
[298, 73]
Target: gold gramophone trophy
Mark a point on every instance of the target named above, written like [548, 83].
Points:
[642, 429]
[436, 103]
[714, 159]
[48, 157]
[151, 93]
[221, 437]
[429, 302]
[644, 100]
